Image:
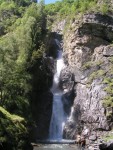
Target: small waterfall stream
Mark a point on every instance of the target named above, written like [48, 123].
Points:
[58, 115]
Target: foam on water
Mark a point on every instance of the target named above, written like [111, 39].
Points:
[58, 115]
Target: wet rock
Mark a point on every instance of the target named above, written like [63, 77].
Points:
[67, 85]
[66, 80]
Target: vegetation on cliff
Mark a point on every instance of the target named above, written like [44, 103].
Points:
[71, 8]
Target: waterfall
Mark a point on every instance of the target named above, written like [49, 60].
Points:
[58, 115]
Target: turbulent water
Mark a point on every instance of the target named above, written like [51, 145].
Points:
[58, 115]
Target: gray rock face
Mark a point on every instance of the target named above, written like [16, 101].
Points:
[86, 52]
[66, 80]
[67, 85]
[108, 51]
[90, 103]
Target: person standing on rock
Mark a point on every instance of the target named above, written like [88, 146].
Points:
[78, 139]
[83, 142]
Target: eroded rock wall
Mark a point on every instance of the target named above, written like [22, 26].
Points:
[87, 49]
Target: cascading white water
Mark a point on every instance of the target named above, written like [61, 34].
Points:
[58, 115]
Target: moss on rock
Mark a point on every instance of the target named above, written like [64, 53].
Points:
[13, 132]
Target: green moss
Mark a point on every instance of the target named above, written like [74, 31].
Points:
[87, 65]
[13, 131]
[101, 72]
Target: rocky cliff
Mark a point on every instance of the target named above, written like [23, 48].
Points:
[88, 54]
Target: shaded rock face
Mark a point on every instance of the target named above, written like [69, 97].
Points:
[41, 104]
[42, 109]
[52, 46]
[87, 51]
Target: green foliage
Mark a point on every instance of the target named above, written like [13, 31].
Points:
[108, 100]
[104, 9]
[12, 130]
[69, 7]
[72, 8]
[8, 11]
[96, 74]
[20, 42]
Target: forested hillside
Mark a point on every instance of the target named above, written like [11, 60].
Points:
[21, 47]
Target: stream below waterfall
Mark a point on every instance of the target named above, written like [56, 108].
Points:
[56, 147]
